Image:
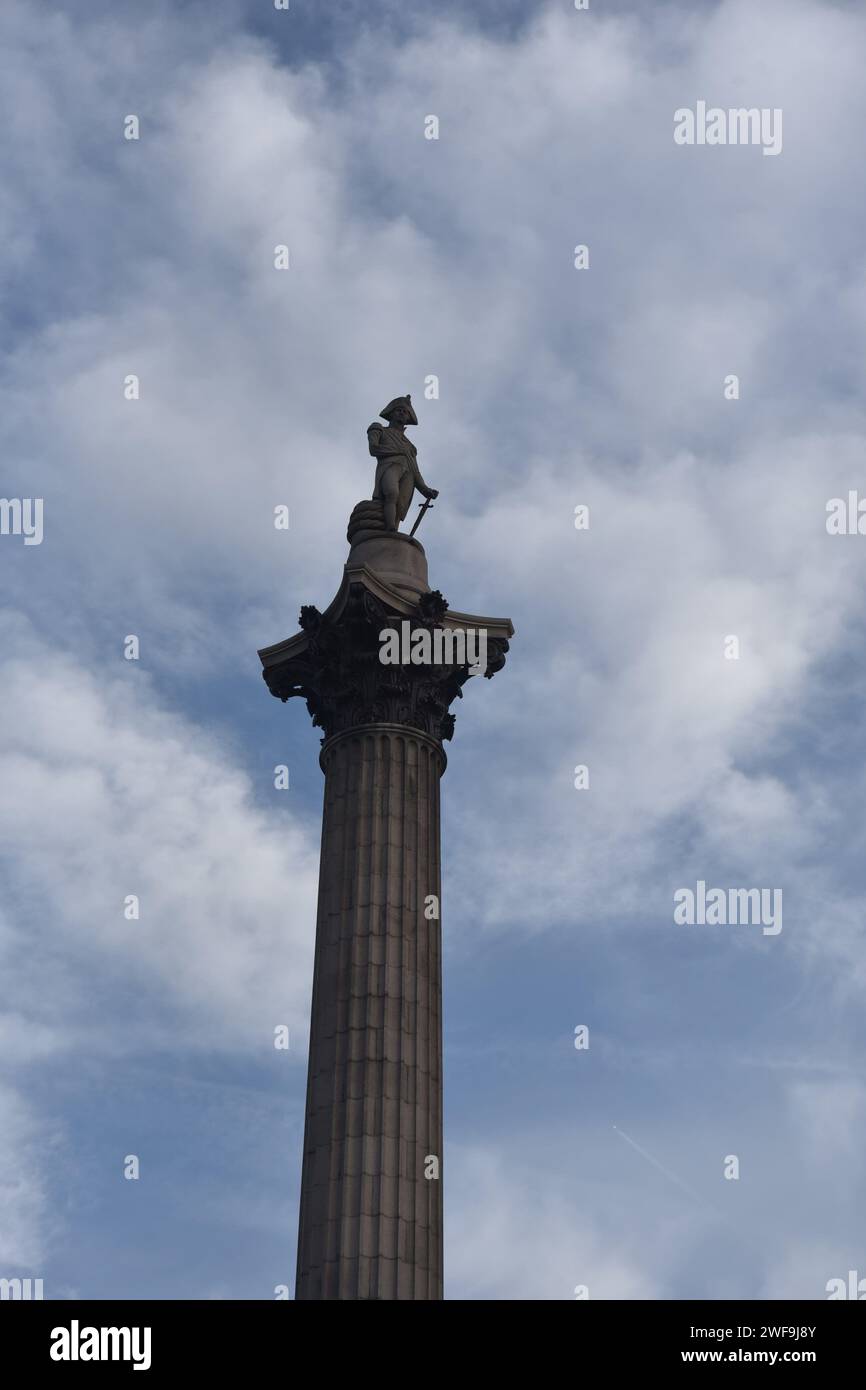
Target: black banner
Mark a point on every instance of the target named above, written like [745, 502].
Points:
[221, 1338]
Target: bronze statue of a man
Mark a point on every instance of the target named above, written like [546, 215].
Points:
[397, 472]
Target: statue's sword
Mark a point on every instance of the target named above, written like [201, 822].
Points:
[420, 517]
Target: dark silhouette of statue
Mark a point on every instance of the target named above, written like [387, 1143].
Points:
[397, 471]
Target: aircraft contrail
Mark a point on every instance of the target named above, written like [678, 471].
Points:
[684, 1187]
[666, 1171]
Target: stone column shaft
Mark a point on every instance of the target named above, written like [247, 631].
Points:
[370, 1220]
[371, 1184]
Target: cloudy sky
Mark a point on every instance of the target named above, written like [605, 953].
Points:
[602, 387]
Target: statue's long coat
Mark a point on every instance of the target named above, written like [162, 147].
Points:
[392, 449]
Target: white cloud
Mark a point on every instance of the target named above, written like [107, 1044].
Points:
[24, 1216]
[831, 1117]
[514, 1232]
[108, 795]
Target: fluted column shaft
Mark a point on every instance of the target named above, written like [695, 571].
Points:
[370, 1220]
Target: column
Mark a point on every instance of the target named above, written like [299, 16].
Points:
[371, 1182]
[370, 1220]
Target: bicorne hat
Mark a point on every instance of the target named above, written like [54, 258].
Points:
[392, 406]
